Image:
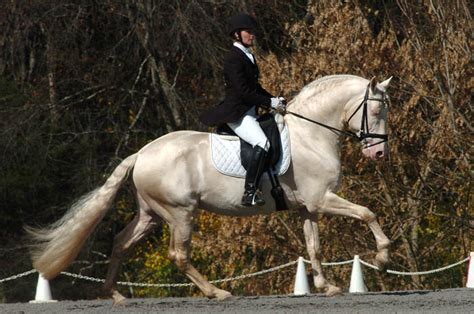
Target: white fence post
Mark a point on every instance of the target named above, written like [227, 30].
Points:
[357, 278]
[301, 280]
[43, 291]
[470, 272]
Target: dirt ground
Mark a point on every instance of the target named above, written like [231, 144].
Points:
[438, 301]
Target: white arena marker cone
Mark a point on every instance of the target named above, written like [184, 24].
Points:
[470, 272]
[357, 279]
[43, 292]
[301, 280]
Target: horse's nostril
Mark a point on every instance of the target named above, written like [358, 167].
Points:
[379, 154]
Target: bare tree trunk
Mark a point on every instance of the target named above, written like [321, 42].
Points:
[160, 80]
[51, 69]
[2, 51]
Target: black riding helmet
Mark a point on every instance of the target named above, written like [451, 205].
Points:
[241, 21]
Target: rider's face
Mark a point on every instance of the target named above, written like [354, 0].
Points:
[247, 36]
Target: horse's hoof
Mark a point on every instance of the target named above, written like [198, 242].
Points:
[382, 259]
[119, 300]
[333, 291]
[222, 295]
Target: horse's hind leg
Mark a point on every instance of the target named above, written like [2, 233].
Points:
[336, 205]
[311, 233]
[179, 253]
[137, 229]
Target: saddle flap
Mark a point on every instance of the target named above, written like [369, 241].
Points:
[226, 153]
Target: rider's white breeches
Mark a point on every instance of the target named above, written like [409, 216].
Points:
[248, 129]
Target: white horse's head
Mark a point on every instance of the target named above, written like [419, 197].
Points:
[369, 119]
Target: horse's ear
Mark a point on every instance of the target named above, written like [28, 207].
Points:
[373, 84]
[384, 85]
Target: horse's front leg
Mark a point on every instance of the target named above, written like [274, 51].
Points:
[311, 234]
[335, 205]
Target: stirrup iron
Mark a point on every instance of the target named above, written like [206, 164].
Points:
[252, 198]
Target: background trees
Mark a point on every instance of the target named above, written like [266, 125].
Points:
[86, 83]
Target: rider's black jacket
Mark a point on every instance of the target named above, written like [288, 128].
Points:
[242, 90]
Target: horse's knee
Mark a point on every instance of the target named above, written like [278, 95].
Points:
[368, 216]
[181, 262]
[384, 245]
[172, 255]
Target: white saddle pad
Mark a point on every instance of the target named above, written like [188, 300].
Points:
[225, 152]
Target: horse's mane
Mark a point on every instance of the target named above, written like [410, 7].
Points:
[331, 79]
[323, 83]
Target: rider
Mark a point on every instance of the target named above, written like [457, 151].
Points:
[243, 94]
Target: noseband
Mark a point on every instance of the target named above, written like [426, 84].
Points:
[364, 124]
[364, 132]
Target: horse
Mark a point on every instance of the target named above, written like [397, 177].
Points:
[173, 177]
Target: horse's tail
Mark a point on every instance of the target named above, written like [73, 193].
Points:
[55, 247]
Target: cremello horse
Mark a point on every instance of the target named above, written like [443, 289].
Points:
[174, 177]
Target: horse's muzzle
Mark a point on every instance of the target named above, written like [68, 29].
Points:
[375, 152]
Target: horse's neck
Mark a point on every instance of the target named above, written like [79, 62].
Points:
[326, 107]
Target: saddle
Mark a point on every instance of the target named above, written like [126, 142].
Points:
[270, 128]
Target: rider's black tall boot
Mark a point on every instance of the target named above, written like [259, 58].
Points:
[254, 173]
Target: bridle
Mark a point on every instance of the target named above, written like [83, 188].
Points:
[364, 132]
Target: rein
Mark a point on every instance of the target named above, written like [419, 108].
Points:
[364, 127]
